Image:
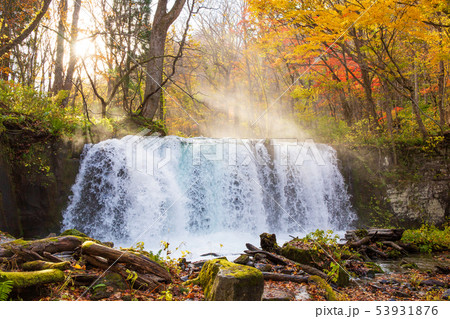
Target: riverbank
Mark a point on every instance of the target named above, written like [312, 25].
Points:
[408, 276]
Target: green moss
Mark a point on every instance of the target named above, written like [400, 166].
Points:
[33, 278]
[247, 276]
[330, 295]
[73, 232]
[376, 269]
[302, 256]
[242, 260]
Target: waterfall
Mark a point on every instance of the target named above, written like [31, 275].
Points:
[206, 194]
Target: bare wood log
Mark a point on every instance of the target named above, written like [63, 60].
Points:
[142, 281]
[51, 245]
[360, 242]
[141, 264]
[283, 277]
[377, 252]
[41, 265]
[395, 246]
[51, 257]
[280, 260]
[83, 279]
[385, 234]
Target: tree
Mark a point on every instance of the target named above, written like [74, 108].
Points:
[162, 20]
[6, 47]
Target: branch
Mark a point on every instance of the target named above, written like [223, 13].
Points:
[27, 31]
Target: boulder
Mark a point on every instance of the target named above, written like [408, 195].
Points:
[302, 256]
[278, 295]
[242, 260]
[226, 281]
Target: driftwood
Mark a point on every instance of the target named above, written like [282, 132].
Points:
[283, 277]
[142, 281]
[360, 242]
[50, 245]
[280, 260]
[139, 263]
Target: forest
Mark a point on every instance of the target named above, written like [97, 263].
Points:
[361, 86]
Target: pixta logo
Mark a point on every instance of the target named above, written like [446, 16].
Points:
[146, 153]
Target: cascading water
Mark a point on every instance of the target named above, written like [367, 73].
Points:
[206, 195]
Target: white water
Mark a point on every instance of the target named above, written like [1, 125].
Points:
[205, 195]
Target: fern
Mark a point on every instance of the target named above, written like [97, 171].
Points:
[5, 288]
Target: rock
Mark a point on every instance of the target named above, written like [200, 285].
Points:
[226, 281]
[446, 295]
[114, 280]
[242, 260]
[432, 282]
[406, 265]
[99, 292]
[184, 278]
[263, 267]
[302, 256]
[278, 295]
[373, 269]
[330, 295]
[269, 243]
[251, 264]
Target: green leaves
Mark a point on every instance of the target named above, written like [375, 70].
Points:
[5, 288]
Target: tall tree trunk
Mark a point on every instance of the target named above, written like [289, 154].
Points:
[73, 40]
[59, 61]
[154, 78]
[441, 94]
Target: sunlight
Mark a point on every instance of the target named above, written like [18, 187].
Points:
[85, 47]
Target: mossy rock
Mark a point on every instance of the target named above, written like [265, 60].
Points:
[373, 269]
[302, 256]
[34, 278]
[405, 265]
[242, 260]
[223, 280]
[114, 280]
[330, 294]
[73, 232]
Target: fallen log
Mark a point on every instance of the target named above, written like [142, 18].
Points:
[378, 234]
[51, 257]
[34, 278]
[41, 265]
[395, 246]
[137, 262]
[51, 245]
[377, 252]
[83, 279]
[360, 242]
[141, 281]
[283, 277]
[280, 260]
